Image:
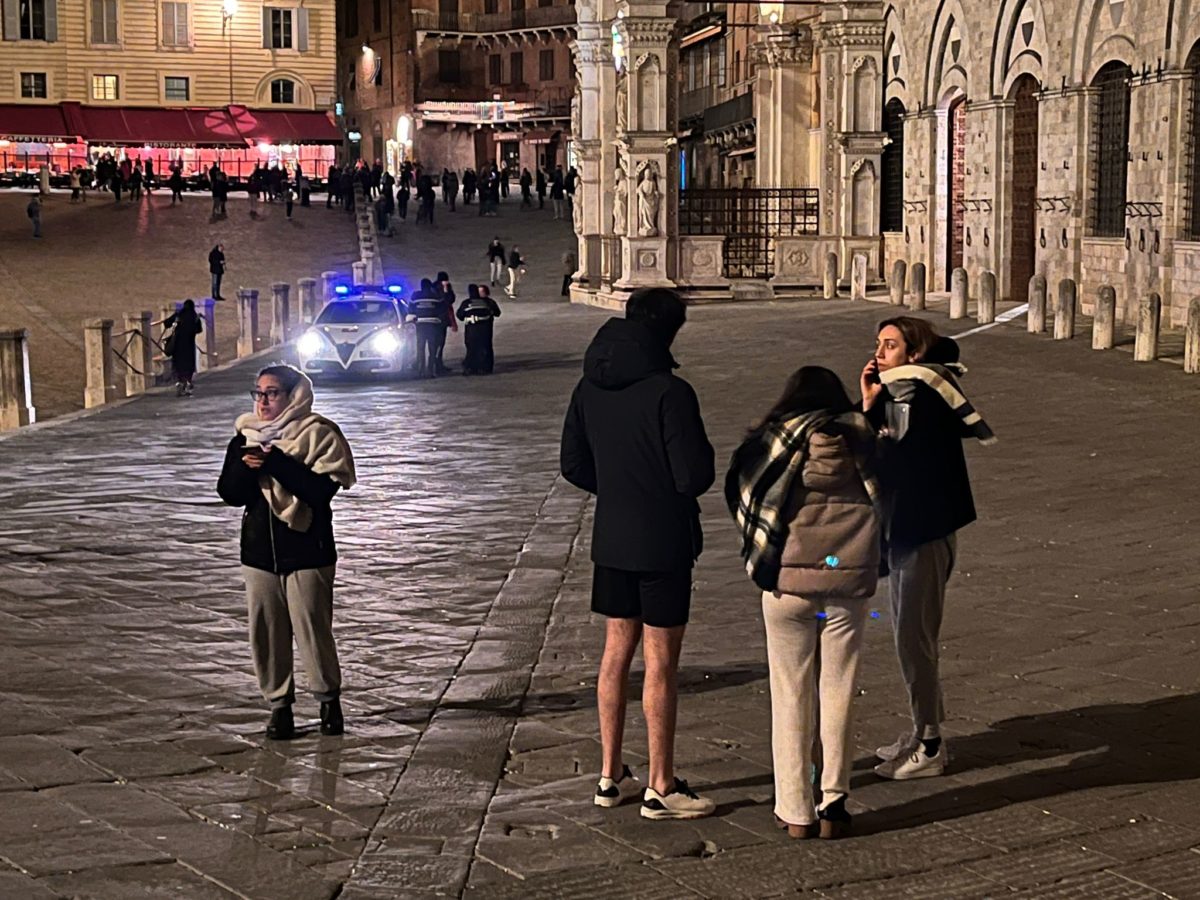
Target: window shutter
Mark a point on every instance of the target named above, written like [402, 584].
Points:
[301, 30]
[12, 20]
[168, 23]
[182, 35]
[266, 27]
[51, 20]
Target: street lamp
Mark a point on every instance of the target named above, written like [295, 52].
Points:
[770, 12]
[229, 9]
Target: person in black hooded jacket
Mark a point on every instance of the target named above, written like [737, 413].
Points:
[633, 436]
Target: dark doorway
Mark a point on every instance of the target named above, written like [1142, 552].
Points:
[1025, 169]
[956, 157]
[891, 180]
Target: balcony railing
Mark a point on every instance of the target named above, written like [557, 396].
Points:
[732, 112]
[490, 23]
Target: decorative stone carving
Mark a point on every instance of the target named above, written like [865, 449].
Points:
[577, 211]
[622, 104]
[620, 201]
[796, 258]
[647, 259]
[577, 114]
[649, 199]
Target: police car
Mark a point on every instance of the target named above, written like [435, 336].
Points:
[360, 332]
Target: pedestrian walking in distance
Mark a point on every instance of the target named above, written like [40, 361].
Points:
[180, 345]
[34, 211]
[633, 436]
[516, 269]
[289, 199]
[478, 314]
[216, 268]
[570, 263]
[496, 261]
[284, 465]
[920, 413]
[802, 492]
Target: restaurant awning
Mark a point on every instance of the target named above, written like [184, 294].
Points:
[293, 126]
[26, 122]
[153, 126]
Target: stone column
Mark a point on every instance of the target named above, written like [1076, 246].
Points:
[16, 388]
[783, 103]
[896, 287]
[593, 128]
[858, 277]
[207, 344]
[166, 372]
[989, 216]
[306, 300]
[328, 282]
[647, 147]
[918, 286]
[281, 314]
[140, 353]
[1191, 345]
[831, 276]
[958, 294]
[985, 311]
[247, 321]
[1064, 312]
[100, 387]
[1036, 320]
[1105, 319]
[358, 268]
[1149, 318]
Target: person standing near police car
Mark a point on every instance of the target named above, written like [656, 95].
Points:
[478, 313]
[446, 294]
[425, 308]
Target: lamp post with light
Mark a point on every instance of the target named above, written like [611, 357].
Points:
[229, 9]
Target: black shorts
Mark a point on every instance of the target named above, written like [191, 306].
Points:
[659, 599]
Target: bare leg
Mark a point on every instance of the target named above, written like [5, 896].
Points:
[659, 701]
[621, 638]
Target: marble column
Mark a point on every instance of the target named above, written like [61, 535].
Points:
[783, 101]
[593, 122]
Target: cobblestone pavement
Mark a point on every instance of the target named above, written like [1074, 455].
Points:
[131, 757]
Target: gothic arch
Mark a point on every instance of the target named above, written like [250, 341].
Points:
[1183, 30]
[1102, 34]
[948, 52]
[1019, 45]
[895, 61]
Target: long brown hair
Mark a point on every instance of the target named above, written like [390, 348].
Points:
[808, 389]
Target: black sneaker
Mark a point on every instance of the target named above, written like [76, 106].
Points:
[610, 793]
[282, 726]
[331, 717]
[681, 802]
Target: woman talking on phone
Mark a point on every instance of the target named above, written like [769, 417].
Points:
[284, 465]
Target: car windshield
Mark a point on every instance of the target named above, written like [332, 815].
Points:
[358, 312]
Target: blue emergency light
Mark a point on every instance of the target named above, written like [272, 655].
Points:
[341, 289]
[395, 288]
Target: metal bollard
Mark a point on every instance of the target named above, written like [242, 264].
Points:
[985, 312]
[1104, 323]
[1064, 312]
[831, 277]
[896, 288]
[140, 354]
[1149, 320]
[247, 321]
[306, 300]
[328, 282]
[958, 293]
[100, 386]
[918, 286]
[1036, 320]
[206, 342]
[16, 387]
[858, 277]
[1191, 340]
[281, 313]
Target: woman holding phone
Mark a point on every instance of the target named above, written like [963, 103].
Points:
[284, 465]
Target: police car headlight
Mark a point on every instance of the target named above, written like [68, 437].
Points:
[309, 344]
[385, 343]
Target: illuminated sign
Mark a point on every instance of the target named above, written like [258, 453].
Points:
[354, 135]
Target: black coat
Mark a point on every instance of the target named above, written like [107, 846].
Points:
[216, 261]
[267, 543]
[924, 474]
[183, 352]
[633, 436]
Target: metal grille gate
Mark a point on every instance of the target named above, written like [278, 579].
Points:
[891, 180]
[1194, 130]
[957, 172]
[1025, 169]
[1111, 142]
[749, 219]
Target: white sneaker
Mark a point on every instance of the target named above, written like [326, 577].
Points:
[610, 793]
[914, 765]
[680, 803]
[902, 746]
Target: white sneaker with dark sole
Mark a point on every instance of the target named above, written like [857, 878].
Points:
[680, 803]
[916, 765]
[610, 793]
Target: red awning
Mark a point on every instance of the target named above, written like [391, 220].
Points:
[32, 122]
[137, 126]
[293, 126]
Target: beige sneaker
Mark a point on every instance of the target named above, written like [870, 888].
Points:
[914, 765]
[679, 803]
[610, 793]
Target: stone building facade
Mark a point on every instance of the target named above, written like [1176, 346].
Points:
[1051, 137]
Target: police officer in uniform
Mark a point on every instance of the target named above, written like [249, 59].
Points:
[446, 294]
[425, 308]
[478, 312]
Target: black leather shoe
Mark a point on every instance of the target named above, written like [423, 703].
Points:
[835, 821]
[331, 717]
[282, 726]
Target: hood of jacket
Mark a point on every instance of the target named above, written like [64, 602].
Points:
[623, 353]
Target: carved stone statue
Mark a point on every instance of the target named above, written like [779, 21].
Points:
[577, 115]
[649, 201]
[577, 208]
[622, 104]
[620, 201]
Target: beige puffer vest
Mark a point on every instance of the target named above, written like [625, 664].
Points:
[832, 547]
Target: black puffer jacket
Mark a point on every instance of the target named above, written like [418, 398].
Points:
[633, 436]
[267, 543]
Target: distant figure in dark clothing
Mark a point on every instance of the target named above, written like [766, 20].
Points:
[496, 259]
[402, 195]
[216, 267]
[425, 309]
[175, 183]
[478, 313]
[183, 346]
[446, 294]
[333, 188]
[541, 189]
[526, 189]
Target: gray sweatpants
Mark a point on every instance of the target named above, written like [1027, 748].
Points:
[298, 604]
[813, 663]
[917, 584]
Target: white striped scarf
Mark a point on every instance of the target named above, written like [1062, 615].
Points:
[902, 384]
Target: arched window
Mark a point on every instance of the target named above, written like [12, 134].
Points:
[283, 90]
[891, 181]
[1193, 63]
[1110, 137]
